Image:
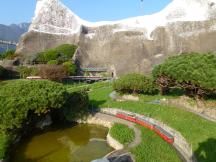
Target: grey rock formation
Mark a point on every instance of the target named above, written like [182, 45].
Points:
[130, 45]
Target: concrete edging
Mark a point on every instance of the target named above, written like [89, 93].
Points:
[110, 140]
[180, 143]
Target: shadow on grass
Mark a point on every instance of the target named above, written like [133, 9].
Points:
[206, 151]
[176, 92]
[95, 105]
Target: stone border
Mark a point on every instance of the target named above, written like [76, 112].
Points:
[97, 121]
[114, 143]
[180, 143]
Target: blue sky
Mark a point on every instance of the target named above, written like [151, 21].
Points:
[17, 11]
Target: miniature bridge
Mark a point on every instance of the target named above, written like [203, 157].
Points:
[8, 42]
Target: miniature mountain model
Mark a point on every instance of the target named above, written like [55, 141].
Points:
[129, 45]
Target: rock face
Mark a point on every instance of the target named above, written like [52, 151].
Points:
[129, 45]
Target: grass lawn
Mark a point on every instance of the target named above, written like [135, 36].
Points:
[122, 133]
[154, 149]
[199, 132]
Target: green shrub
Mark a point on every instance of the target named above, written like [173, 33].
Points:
[2, 71]
[25, 71]
[77, 106]
[135, 83]
[70, 68]
[19, 98]
[61, 54]
[194, 72]
[4, 142]
[52, 62]
[122, 133]
[52, 72]
[10, 54]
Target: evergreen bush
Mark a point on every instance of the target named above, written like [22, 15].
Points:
[135, 83]
[193, 72]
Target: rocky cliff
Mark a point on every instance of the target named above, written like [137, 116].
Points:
[129, 45]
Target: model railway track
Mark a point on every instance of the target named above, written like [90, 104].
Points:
[147, 124]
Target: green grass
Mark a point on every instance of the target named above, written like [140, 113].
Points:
[199, 132]
[122, 133]
[86, 86]
[154, 149]
[4, 140]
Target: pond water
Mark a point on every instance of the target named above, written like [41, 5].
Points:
[80, 143]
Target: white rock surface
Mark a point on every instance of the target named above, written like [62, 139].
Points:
[51, 16]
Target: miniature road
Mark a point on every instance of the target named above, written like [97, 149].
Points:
[137, 139]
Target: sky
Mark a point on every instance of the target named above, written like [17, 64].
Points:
[18, 11]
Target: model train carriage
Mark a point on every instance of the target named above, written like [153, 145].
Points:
[144, 122]
[164, 134]
[130, 117]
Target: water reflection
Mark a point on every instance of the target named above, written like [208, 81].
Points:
[79, 143]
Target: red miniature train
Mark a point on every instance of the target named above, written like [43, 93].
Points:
[146, 123]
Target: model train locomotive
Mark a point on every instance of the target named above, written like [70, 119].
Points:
[146, 123]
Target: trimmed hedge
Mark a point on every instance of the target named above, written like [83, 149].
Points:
[135, 83]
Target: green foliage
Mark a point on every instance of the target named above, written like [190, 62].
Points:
[154, 149]
[2, 71]
[190, 71]
[25, 71]
[200, 130]
[52, 62]
[10, 54]
[135, 83]
[4, 142]
[61, 54]
[19, 98]
[122, 133]
[77, 106]
[70, 68]
[52, 72]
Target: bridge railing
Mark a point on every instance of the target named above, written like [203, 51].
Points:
[8, 42]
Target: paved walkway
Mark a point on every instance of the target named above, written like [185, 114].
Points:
[137, 139]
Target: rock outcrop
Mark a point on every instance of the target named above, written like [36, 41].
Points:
[130, 45]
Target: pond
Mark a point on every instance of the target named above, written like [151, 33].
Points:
[80, 143]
